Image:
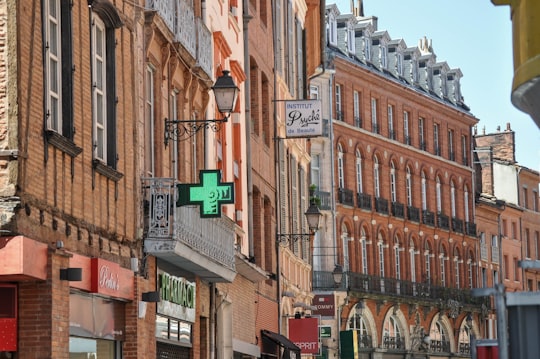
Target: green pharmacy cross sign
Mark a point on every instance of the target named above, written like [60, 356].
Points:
[210, 194]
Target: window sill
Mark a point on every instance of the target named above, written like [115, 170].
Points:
[62, 143]
[107, 171]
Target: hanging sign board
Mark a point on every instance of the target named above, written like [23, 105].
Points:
[210, 194]
[303, 118]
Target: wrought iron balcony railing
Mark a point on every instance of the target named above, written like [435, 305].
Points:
[413, 214]
[439, 346]
[398, 210]
[457, 225]
[179, 234]
[443, 221]
[325, 200]
[363, 200]
[346, 196]
[428, 218]
[381, 205]
[470, 229]
[191, 33]
[392, 287]
[396, 343]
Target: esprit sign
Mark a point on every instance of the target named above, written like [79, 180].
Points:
[177, 297]
[304, 333]
[303, 118]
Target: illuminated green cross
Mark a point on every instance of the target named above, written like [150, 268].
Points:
[210, 194]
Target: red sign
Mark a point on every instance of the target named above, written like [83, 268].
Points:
[103, 277]
[304, 332]
[325, 305]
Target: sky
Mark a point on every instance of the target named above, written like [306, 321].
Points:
[476, 37]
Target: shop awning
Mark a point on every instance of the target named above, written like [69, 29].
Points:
[281, 340]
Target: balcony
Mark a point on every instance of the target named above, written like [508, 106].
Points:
[470, 229]
[363, 200]
[457, 225]
[325, 198]
[381, 205]
[395, 343]
[413, 214]
[190, 33]
[443, 221]
[398, 210]
[428, 218]
[363, 284]
[346, 197]
[179, 236]
[440, 346]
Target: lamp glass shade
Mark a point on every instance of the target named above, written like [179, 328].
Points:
[313, 217]
[337, 273]
[225, 92]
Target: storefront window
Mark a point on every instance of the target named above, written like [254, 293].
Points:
[172, 329]
[85, 348]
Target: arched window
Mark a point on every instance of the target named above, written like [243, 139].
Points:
[466, 203]
[393, 195]
[381, 247]
[438, 195]
[424, 192]
[408, 187]
[363, 242]
[376, 177]
[439, 338]
[392, 337]
[443, 257]
[457, 261]
[412, 259]
[453, 199]
[356, 322]
[358, 172]
[397, 260]
[341, 177]
[427, 262]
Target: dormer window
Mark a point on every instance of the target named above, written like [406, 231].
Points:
[351, 48]
[367, 48]
[384, 57]
[399, 63]
[332, 29]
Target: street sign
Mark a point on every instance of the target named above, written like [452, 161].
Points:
[325, 331]
[209, 194]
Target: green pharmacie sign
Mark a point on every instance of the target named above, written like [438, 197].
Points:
[177, 297]
[209, 194]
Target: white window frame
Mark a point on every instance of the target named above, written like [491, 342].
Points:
[457, 262]
[399, 59]
[453, 199]
[356, 108]
[384, 57]
[466, 203]
[424, 191]
[374, 123]
[470, 272]
[316, 170]
[406, 131]
[53, 64]
[393, 194]
[391, 122]
[397, 258]
[363, 242]
[408, 187]
[436, 143]
[412, 259]
[339, 112]
[99, 87]
[438, 195]
[341, 176]
[381, 259]
[376, 177]
[359, 184]
[442, 257]
[367, 48]
[421, 133]
[150, 118]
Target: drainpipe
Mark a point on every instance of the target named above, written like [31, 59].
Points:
[247, 116]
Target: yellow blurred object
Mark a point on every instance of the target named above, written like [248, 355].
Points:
[525, 16]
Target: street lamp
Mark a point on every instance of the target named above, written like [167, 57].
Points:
[225, 93]
[313, 217]
[337, 274]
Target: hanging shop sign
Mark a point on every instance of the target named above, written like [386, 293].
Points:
[210, 194]
[303, 118]
[325, 304]
[304, 333]
[103, 277]
[177, 297]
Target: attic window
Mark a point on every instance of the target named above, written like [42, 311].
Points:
[450, 77]
[422, 64]
[407, 57]
[436, 72]
[375, 42]
[391, 49]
